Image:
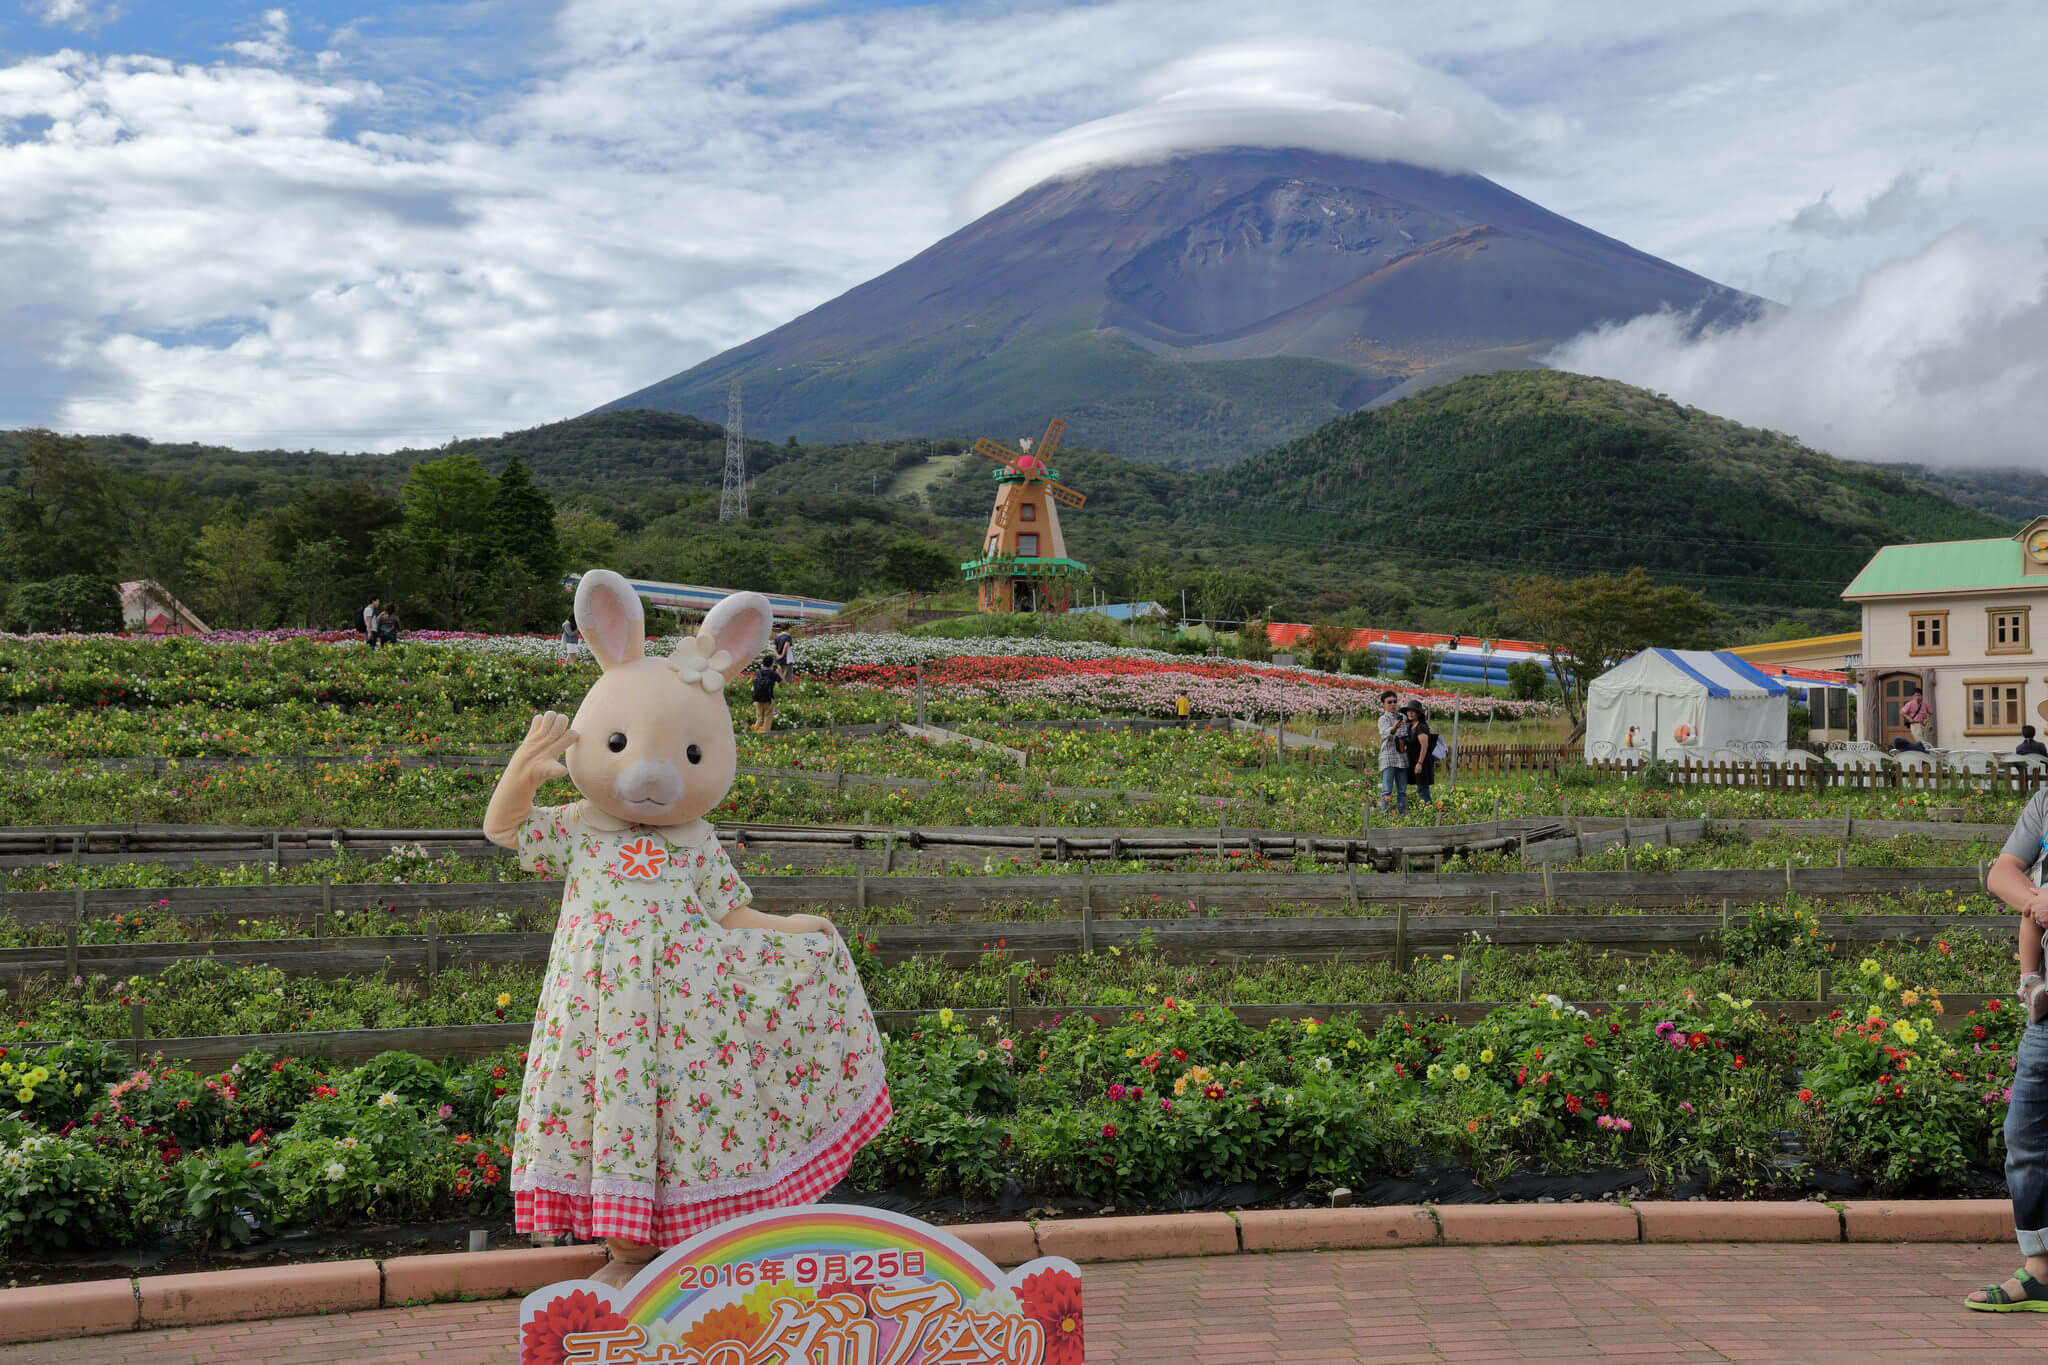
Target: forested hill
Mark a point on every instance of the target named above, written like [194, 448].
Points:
[1538, 470]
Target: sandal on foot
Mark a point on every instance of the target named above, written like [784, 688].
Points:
[2033, 1297]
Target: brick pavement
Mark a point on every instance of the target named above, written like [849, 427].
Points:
[1667, 1303]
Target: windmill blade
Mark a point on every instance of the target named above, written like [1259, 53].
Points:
[1001, 454]
[1050, 442]
[1060, 493]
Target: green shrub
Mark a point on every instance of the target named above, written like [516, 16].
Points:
[220, 1188]
[84, 603]
[1364, 662]
[63, 1194]
[1527, 680]
[1419, 666]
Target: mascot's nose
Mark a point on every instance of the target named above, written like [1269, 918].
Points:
[646, 782]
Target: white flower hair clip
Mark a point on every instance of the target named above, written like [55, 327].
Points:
[699, 660]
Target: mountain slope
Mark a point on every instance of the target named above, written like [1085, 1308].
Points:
[1542, 471]
[1192, 312]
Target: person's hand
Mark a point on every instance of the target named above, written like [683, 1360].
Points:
[805, 924]
[538, 759]
[2038, 907]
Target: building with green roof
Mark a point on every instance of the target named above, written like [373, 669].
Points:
[1952, 622]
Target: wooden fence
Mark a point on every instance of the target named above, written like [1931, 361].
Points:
[1399, 937]
[1474, 760]
[2016, 779]
[864, 845]
[465, 1041]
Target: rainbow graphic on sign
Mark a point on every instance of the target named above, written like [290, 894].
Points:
[778, 1286]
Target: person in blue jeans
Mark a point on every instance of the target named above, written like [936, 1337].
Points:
[1393, 753]
[2016, 879]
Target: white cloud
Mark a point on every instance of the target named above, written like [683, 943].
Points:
[1329, 97]
[82, 15]
[1940, 358]
[1902, 204]
[274, 46]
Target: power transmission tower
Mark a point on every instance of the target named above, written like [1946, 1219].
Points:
[732, 503]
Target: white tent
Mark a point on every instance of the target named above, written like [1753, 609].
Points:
[1685, 703]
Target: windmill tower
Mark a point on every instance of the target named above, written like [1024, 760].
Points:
[1023, 564]
[732, 502]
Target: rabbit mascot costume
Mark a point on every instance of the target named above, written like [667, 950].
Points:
[693, 1059]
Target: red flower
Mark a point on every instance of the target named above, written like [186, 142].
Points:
[1588, 1039]
[1599, 1099]
[1739, 1063]
[1806, 1097]
[581, 1311]
[1109, 1130]
[1614, 1028]
[1697, 1040]
[1571, 1103]
[1053, 1299]
[1179, 1056]
[1977, 1032]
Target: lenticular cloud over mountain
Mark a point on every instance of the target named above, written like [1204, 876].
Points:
[1333, 98]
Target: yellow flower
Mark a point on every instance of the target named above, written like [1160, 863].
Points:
[504, 999]
[946, 1018]
[24, 1095]
[1891, 983]
[1461, 1072]
[1874, 1013]
[1907, 1033]
[1869, 966]
[1487, 1055]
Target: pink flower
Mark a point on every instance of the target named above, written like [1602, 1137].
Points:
[1109, 1130]
[1116, 1090]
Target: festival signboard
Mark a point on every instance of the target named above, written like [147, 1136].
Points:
[824, 1284]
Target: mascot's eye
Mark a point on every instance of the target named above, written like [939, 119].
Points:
[617, 743]
[694, 754]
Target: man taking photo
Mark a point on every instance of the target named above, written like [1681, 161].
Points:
[1393, 754]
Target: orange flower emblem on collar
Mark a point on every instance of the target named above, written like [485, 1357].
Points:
[643, 858]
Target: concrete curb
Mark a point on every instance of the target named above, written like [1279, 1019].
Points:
[101, 1307]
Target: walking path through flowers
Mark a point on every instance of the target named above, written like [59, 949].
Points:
[1672, 1303]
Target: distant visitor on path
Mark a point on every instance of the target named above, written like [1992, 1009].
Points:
[1183, 709]
[2016, 879]
[1916, 713]
[1421, 747]
[370, 622]
[569, 635]
[1393, 754]
[387, 624]
[2028, 744]
[785, 656]
[766, 675]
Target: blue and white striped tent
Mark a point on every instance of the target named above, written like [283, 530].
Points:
[1684, 702]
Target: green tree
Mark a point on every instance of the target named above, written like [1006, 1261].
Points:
[586, 540]
[64, 515]
[1588, 625]
[521, 525]
[447, 502]
[75, 602]
[321, 593]
[352, 513]
[240, 581]
[920, 565]
[1233, 594]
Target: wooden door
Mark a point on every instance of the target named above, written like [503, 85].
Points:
[1892, 691]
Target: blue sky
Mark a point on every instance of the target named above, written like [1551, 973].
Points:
[324, 225]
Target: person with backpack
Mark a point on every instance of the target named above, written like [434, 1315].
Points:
[2016, 879]
[766, 676]
[1422, 751]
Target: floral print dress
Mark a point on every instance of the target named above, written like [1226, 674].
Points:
[681, 1074]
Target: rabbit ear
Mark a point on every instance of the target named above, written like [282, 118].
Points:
[609, 614]
[739, 626]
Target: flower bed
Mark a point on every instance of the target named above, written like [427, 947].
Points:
[1166, 1099]
[1091, 679]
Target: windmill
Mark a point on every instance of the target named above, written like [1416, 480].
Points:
[1023, 564]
